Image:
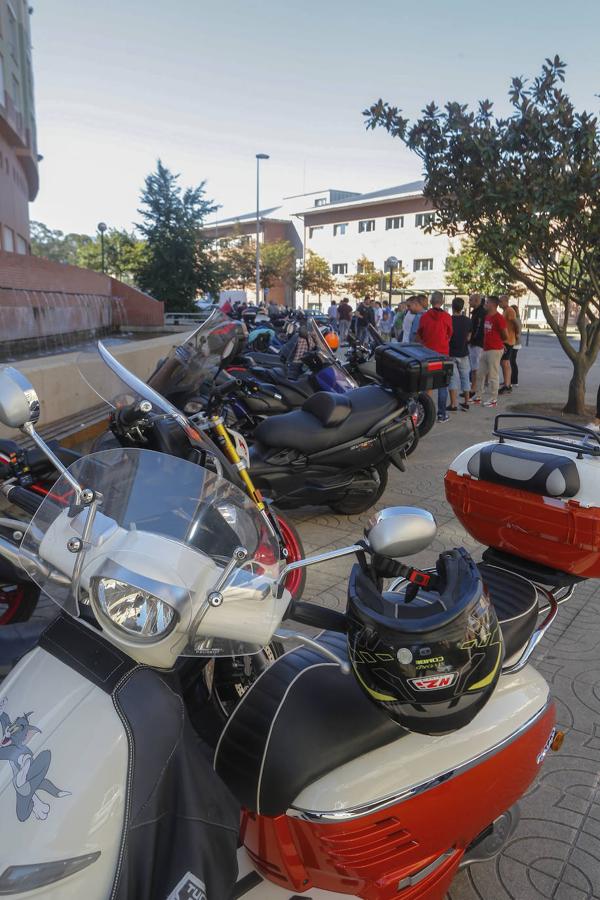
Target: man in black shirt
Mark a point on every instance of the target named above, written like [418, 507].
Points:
[459, 349]
[478, 315]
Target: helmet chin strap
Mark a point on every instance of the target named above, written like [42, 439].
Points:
[391, 568]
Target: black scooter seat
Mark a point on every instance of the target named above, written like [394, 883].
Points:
[328, 419]
[303, 718]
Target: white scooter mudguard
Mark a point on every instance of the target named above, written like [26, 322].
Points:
[63, 773]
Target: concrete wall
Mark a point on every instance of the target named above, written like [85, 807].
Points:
[64, 393]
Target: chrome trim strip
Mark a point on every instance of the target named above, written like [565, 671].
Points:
[354, 812]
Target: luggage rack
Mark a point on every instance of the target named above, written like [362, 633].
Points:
[552, 433]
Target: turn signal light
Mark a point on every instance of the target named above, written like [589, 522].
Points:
[558, 740]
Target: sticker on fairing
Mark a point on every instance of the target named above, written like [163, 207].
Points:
[28, 770]
[189, 888]
[240, 445]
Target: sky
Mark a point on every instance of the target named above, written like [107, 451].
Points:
[204, 86]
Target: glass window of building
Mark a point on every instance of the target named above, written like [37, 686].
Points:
[340, 229]
[394, 222]
[366, 225]
[16, 90]
[321, 201]
[21, 245]
[12, 31]
[339, 269]
[313, 230]
[1, 79]
[422, 265]
[8, 239]
[423, 219]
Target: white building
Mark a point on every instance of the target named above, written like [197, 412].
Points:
[378, 225]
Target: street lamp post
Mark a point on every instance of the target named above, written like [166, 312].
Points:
[102, 228]
[392, 263]
[259, 156]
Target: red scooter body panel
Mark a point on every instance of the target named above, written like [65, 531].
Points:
[370, 856]
[559, 534]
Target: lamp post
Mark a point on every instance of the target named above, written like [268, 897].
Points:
[259, 156]
[102, 228]
[392, 263]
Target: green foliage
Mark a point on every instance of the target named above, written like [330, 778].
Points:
[123, 254]
[277, 263]
[366, 280]
[401, 280]
[51, 243]
[469, 270]
[237, 258]
[526, 190]
[177, 265]
[314, 276]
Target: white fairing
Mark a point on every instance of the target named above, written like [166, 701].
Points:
[80, 727]
[588, 468]
[417, 759]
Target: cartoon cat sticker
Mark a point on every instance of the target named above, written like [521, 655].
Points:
[29, 771]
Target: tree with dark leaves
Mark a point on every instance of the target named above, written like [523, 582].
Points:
[526, 190]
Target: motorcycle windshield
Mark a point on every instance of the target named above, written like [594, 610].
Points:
[200, 356]
[317, 340]
[165, 550]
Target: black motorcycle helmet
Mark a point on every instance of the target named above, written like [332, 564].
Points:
[430, 662]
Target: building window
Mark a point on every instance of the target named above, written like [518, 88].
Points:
[21, 245]
[16, 94]
[321, 201]
[423, 219]
[1, 80]
[394, 222]
[12, 32]
[422, 265]
[313, 229]
[366, 225]
[339, 229]
[339, 269]
[8, 239]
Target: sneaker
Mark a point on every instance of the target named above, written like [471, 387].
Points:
[443, 418]
[464, 407]
[476, 400]
[452, 409]
[505, 389]
[472, 394]
[593, 426]
[490, 403]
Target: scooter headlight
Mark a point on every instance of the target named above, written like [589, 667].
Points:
[134, 608]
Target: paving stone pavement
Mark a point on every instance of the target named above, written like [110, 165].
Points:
[555, 851]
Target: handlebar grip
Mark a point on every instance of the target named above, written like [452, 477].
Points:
[317, 616]
[24, 499]
[221, 390]
[129, 415]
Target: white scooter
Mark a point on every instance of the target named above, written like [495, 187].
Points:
[105, 790]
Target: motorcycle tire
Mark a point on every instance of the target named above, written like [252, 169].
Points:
[355, 503]
[17, 601]
[427, 413]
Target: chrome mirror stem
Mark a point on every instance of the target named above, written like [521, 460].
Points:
[319, 558]
[30, 431]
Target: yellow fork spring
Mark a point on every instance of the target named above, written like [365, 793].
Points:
[233, 456]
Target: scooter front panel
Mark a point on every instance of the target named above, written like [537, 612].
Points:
[63, 771]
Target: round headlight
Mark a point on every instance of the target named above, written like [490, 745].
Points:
[132, 609]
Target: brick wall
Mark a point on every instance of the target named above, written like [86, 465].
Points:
[38, 296]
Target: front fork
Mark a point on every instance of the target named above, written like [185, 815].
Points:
[228, 447]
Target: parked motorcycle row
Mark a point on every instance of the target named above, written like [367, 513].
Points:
[175, 732]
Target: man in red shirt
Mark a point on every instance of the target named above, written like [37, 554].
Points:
[494, 337]
[434, 332]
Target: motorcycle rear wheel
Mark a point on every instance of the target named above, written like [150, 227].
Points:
[427, 413]
[355, 503]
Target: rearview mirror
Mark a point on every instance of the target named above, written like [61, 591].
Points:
[19, 404]
[400, 531]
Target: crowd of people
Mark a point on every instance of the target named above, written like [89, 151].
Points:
[483, 341]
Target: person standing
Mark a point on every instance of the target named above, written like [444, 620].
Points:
[364, 313]
[377, 314]
[387, 322]
[494, 339]
[344, 315]
[399, 319]
[434, 332]
[459, 350]
[511, 329]
[514, 369]
[477, 308]
[411, 320]
[332, 314]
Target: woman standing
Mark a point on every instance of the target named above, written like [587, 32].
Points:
[514, 380]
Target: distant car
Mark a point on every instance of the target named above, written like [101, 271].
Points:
[319, 317]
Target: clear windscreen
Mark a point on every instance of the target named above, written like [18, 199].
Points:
[198, 358]
[152, 550]
[317, 341]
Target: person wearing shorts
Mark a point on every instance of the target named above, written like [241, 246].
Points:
[477, 308]
[459, 350]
